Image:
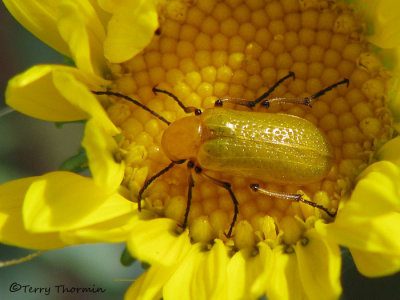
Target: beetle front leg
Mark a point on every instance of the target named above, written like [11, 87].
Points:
[292, 197]
[151, 179]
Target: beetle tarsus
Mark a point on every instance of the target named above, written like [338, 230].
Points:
[226, 185]
[150, 180]
[189, 200]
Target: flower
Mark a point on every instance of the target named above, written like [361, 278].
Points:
[62, 208]
[201, 51]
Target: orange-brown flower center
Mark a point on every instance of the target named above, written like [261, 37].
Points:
[223, 49]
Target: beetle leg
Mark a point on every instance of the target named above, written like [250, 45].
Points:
[190, 166]
[226, 185]
[150, 180]
[291, 197]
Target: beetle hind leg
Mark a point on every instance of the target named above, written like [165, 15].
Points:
[190, 166]
[291, 197]
[226, 185]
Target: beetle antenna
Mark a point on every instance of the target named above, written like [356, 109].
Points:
[251, 104]
[108, 93]
[313, 204]
[186, 109]
[306, 100]
[323, 91]
[267, 93]
[150, 180]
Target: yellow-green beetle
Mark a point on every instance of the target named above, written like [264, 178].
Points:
[274, 147]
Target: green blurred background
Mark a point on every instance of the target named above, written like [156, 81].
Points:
[31, 147]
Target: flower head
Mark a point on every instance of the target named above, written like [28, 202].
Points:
[203, 230]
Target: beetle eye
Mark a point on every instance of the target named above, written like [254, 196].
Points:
[197, 112]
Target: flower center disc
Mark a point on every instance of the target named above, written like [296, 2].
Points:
[219, 49]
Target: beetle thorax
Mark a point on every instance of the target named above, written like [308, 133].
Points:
[181, 140]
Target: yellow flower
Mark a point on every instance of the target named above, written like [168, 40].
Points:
[62, 208]
[201, 51]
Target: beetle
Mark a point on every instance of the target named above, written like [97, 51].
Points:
[275, 147]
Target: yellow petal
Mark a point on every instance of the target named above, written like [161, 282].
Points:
[149, 285]
[115, 230]
[12, 230]
[284, 280]
[77, 93]
[259, 285]
[375, 264]
[243, 271]
[61, 201]
[370, 221]
[183, 276]
[130, 29]
[319, 264]
[34, 94]
[384, 16]
[204, 271]
[157, 242]
[377, 192]
[390, 151]
[378, 234]
[81, 28]
[210, 280]
[102, 150]
[40, 18]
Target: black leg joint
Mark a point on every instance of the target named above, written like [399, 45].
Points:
[265, 103]
[254, 187]
[251, 104]
[218, 103]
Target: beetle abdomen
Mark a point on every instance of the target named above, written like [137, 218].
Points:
[276, 148]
